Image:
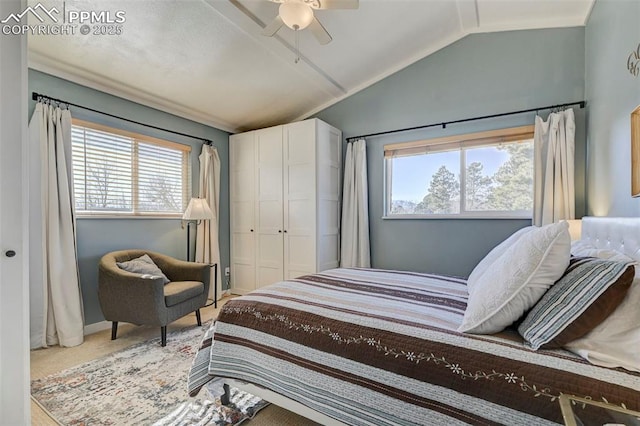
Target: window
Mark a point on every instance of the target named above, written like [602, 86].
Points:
[487, 174]
[122, 173]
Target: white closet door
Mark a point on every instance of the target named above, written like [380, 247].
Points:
[269, 206]
[300, 199]
[14, 215]
[242, 182]
[328, 171]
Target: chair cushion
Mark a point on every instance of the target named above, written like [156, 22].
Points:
[178, 291]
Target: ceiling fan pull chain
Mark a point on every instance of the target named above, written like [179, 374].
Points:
[297, 34]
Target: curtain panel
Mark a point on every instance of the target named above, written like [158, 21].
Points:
[207, 244]
[354, 242]
[554, 187]
[56, 300]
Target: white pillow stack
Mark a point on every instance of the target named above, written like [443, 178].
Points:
[514, 276]
[616, 341]
[494, 254]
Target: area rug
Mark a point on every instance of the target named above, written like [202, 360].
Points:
[242, 406]
[140, 385]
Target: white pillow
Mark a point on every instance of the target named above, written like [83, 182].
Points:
[517, 279]
[497, 251]
[583, 248]
[616, 341]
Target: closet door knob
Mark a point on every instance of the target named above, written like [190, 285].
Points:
[9, 253]
[285, 231]
[252, 230]
[280, 231]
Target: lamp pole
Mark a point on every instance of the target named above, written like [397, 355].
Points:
[188, 242]
[189, 223]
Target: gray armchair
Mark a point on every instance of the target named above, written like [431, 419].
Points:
[128, 297]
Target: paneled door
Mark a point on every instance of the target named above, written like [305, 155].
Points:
[300, 199]
[269, 207]
[285, 190]
[242, 152]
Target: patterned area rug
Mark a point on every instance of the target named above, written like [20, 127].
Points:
[242, 406]
[143, 384]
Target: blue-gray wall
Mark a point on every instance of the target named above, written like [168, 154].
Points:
[479, 75]
[612, 33]
[99, 236]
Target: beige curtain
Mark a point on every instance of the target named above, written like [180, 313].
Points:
[207, 245]
[354, 246]
[554, 189]
[56, 300]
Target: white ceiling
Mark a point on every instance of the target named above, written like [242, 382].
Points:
[206, 59]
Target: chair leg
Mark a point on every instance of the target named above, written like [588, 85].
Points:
[163, 335]
[114, 330]
[198, 317]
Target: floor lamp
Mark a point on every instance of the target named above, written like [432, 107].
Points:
[197, 211]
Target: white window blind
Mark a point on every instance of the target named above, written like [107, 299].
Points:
[122, 173]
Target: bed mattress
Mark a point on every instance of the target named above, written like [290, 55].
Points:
[377, 347]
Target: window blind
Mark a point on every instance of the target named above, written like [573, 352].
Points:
[123, 173]
[450, 143]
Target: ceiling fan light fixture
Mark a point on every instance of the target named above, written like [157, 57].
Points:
[296, 15]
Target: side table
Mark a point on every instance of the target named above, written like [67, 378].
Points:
[595, 413]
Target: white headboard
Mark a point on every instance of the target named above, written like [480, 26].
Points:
[621, 234]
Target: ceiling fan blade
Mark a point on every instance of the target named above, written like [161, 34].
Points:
[273, 27]
[338, 4]
[319, 32]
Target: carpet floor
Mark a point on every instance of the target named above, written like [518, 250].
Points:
[45, 362]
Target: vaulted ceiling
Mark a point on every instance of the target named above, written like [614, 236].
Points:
[206, 59]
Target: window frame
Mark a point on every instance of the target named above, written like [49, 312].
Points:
[460, 143]
[136, 138]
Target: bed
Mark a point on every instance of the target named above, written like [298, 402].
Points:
[378, 347]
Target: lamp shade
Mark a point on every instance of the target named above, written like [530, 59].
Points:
[575, 229]
[198, 209]
[296, 15]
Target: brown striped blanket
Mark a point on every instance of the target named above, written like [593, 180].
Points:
[373, 347]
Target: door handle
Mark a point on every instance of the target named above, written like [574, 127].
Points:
[9, 253]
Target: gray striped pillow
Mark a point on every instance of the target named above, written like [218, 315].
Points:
[587, 293]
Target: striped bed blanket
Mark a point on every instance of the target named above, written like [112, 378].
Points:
[374, 347]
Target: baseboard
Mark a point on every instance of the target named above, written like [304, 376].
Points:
[97, 326]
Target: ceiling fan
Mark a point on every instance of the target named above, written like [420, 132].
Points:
[298, 15]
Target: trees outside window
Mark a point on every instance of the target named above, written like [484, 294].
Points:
[444, 190]
[483, 178]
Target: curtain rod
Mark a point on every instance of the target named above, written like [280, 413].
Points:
[38, 96]
[444, 124]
